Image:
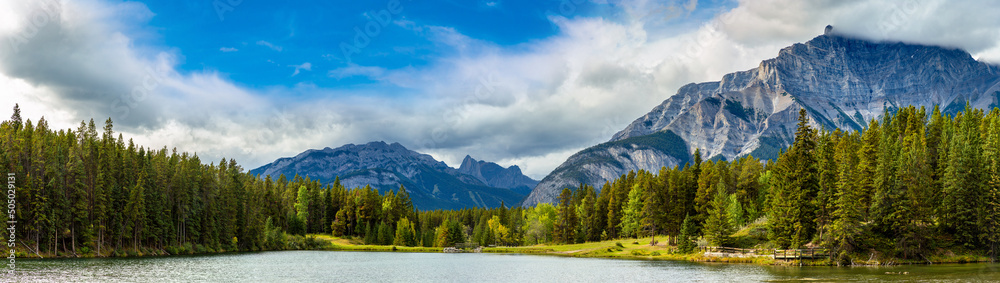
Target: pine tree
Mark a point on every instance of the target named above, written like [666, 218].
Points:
[963, 181]
[566, 225]
[718, 229]
[886, 199]
[654, 207]
[405, 234]
[385, 234]
[632, 213]
[827, 172]
[793, 210]
[849, 209]
[991, 154]
[135, 210]
[685, 242]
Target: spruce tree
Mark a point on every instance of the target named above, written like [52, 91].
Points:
[848, 208]
[565, 226]
[964, 181]
[685, 241]
[793, 210]
[718, 229]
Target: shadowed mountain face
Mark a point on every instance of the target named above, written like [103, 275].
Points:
[494, 175]
[431, 183]
[841, 82]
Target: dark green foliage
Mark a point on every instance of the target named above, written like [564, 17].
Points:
[737, 109]
[793, 207]
[565, 226]
[685, 242]
[910, 184]
[769, 148]
[666, 141]
[718, 227]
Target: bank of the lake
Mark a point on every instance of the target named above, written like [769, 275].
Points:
[639, 249]
[624, 249]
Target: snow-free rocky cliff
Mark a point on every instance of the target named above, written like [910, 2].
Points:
[842, 82]
[432, 184]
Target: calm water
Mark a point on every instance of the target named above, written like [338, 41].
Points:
[329, 266]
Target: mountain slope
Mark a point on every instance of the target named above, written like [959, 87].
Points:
[496, 176]
[431, 183]
[842, 83]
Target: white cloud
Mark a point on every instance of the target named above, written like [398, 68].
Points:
[304, 66]
[228, 49]
[270, 45]
[533, 104]
[355, 70]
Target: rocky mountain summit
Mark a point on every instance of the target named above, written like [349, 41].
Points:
[495, 175]
[842, 82]
[432, 184]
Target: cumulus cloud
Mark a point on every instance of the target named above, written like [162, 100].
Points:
[533, 104]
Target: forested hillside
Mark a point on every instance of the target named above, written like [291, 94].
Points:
[907, 186]
[910, 185]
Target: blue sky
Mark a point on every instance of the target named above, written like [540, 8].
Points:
[524, 83]
[260, 44]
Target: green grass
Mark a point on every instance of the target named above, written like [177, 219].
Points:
[639, 249]
[343, 244]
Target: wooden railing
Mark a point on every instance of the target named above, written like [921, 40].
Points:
[788, 254]
[812, 253]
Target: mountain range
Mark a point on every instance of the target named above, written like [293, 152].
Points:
[842, 82]
[432, 184]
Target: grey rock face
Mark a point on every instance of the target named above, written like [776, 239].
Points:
[495, 175]
[842, 83]
[432, 184]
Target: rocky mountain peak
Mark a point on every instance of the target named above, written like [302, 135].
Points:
[841, 81]
[495, 175]
[432, 184]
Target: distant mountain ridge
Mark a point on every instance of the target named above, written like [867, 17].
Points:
[432, 184]
[495, 175]
[842, 82]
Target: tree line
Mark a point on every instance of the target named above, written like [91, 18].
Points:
[910, 183]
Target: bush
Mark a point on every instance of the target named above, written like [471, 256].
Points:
[655, 253]
[619, 244]
[843, 259]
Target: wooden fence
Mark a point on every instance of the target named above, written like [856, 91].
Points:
[789, 254]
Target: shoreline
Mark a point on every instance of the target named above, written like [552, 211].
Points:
[627, 249]
[630, 250]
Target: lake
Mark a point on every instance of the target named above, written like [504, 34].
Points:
[336, 266]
